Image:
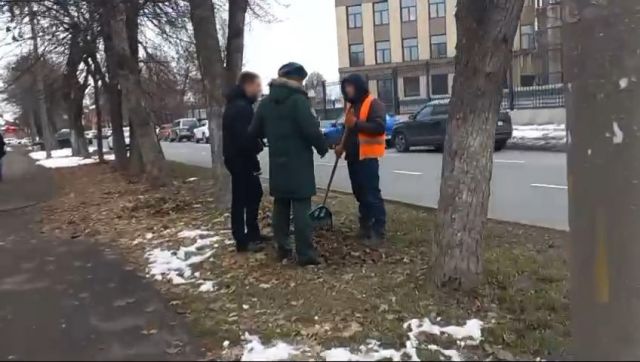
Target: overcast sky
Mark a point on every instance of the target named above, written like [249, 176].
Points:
[306, 33]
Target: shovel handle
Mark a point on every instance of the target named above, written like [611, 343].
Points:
[335, 167]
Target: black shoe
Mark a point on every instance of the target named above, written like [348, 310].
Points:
[285, 254]
[309, 260]
[252, 247]
[376, 241]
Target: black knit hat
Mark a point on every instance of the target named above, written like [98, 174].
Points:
[292, 70]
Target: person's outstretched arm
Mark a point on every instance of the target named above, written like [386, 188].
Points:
[309, 125]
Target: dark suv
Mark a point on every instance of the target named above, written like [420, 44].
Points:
[182, 129]
[427, 127]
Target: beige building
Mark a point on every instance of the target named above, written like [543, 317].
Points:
[405, 48]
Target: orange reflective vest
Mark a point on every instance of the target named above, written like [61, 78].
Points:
[370, 146]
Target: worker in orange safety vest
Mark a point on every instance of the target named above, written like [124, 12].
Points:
[364, 144]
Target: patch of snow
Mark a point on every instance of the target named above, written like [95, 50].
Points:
[41, 155]
[207, 287]
[225, 344]
[254, 350]
[540, 132]
[191, 179]
[618, 136]
[64, 162]
[624, 82]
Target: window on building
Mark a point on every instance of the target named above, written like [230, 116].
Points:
[381, 13]
[385, 92]
[411, 86]
[356, 55]
[354, 16]
[527, 80]
[438, 46]
[410, 49]
[408, 10]
[527, 37]
[437, 8]
[439, 84]
[383, 52]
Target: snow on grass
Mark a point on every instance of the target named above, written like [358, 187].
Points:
[63, 158]
[469, 334]
[540, 132]
[175, 266]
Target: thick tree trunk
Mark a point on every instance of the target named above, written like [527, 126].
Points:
[112, 88]
[602, 68]
[486, 29]
[48, 133]
[203, 20]
[133, 101]
[132, 9]
[235, 40]
[74, 92]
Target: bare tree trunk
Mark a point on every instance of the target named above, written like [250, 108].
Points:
[98, 107]
[603, 113]
[131, 9]
[48, 134]
[235, 39]
[486, 29]
[203, 20]
[74, 93]
[133, 101]
[111, 86]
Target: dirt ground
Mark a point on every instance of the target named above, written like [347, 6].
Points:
[357, 294]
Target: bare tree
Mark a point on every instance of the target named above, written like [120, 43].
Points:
[486, 29]
[216, 77]
[603, 117]
[133, 103]
[315, 82]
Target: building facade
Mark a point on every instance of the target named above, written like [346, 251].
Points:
[406, 48]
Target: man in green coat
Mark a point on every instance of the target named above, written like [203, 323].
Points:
[285, 118]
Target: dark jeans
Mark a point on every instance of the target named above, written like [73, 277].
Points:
[301, 222]
[365, 183]
[246, 191]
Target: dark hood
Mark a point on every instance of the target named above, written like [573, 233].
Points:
[361, 85]
[238, 93]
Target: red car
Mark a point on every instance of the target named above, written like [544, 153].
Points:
[164, 133]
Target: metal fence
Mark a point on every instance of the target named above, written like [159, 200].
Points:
[540, 96]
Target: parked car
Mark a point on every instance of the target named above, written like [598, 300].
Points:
[90, 136]
[182, 129]
[127, 139]
[201, 133]
[332, 130]
[427, 127]
[63, 137]
[164, 133]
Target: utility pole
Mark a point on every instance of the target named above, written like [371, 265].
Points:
[47, 132]
[602, 68]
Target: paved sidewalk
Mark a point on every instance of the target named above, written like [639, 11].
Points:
[68, 299]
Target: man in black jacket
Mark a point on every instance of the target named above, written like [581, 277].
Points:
[2, 154]
[241, 159]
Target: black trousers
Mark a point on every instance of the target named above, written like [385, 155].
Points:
[246, 193]
[365, 183]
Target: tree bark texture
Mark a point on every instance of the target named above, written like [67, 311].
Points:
[48, 132]
[486, 29]
[112, 88]
[602, 69]
[133, 102]
[235, 40]
[132, 11]
[74, 92]
[203, 20]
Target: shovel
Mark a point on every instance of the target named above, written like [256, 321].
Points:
[321, 216]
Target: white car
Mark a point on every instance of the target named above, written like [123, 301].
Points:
[202, 132]
[126, 139]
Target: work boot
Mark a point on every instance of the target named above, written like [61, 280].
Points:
[251, 247]
[309, 259]
[284, 254]
[376, 241]
[364, 232]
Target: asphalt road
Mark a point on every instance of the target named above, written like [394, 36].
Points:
[528, 187]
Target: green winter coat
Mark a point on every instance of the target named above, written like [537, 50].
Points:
[285, 118]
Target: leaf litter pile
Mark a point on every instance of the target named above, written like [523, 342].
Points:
[359, 305]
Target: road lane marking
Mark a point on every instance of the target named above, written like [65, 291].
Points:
[550, 186]
[408, 173]
[508, 161]
[328, 164]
